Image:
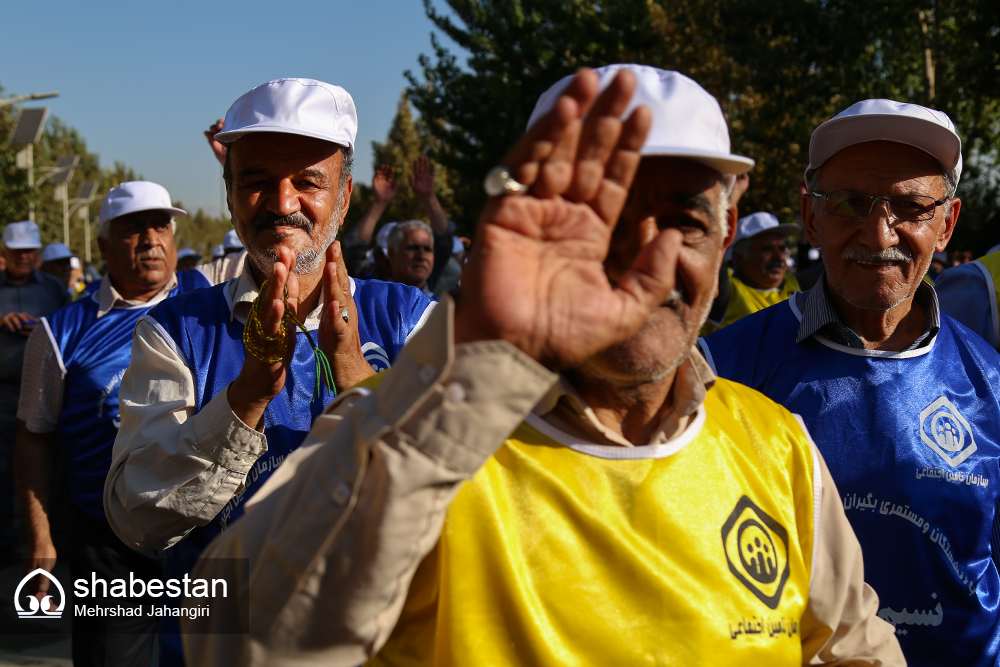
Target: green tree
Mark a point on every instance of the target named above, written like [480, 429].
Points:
[407, 139]
[200, 231]
[517, 48]
[57, 140]
[778, 68]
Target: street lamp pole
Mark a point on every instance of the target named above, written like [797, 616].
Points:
[25, 98]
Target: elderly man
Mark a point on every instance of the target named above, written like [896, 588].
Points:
[642, 512]
[411, 254]
[57, 261]
[187, 259]
[72, 368]
[221, 387]
[758, 278]
[902, 400]
[25, 295]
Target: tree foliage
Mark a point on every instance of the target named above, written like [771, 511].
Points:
[407, 139]
[778, 68]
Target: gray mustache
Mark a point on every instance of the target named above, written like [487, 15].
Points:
[268, 219]
[155, 252]
[893, 254]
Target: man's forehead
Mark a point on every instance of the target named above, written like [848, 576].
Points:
[674, 179]
[264, 148]
[152, 216]
[881, 160]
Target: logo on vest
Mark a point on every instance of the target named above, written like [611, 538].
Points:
[35, 608]
[756, 549]
[944, 429]
[376, 356]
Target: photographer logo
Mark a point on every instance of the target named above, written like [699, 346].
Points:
[45, 608]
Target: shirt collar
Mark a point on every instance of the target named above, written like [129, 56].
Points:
[563, 406]
[820, 316]
[109, 298]
[243, 290]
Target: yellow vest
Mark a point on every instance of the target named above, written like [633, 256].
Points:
[557, 552]
[745, 300]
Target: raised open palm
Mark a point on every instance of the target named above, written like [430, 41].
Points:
[536, 275]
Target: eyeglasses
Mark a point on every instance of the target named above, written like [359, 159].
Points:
[909, 208]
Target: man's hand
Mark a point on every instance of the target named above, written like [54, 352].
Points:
[739, 188]
[259, 381]
[42, 555]
[21, 323]
[536, 275]
[384, 185]
[338, 339]
[422, 178]
[217, 147]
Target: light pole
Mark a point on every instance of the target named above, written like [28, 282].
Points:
[28, 130]
[81, 203]
[25, 98]
[59, 176]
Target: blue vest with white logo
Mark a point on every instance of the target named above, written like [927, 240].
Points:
[210, 341]
[95, 351]
[911, 439]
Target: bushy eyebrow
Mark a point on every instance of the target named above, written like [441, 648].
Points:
[313, 174]
[695, 202]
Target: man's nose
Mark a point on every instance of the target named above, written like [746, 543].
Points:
[284, 200]
[878, 230]
[150, 236]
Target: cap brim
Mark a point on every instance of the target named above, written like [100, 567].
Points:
[22, 246]
[174, 212]
[839, 133]
[230, 137]
[724, 163]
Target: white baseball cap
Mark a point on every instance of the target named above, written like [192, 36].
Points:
[758, 223]
[133, 197]
[22, 236]
[187, 252]
[887, 120]
[231, 241]
[55, 251]
[687, 120]
[218, 251]
[294, 106]
[382, 238]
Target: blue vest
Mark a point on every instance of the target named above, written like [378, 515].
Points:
[210, 341]
[911, 440]
[94, 352]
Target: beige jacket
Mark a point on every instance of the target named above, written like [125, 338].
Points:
[333, 539]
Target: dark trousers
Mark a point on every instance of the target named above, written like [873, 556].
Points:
[109, 641]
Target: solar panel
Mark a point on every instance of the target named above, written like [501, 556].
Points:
[87, 190]
[28, 128]
[64, 169]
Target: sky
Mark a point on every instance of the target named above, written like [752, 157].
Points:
[141, 81]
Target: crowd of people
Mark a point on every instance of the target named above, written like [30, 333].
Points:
[614, 428]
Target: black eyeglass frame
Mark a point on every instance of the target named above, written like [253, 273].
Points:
[871, 204]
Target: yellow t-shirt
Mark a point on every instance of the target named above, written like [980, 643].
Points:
[745, 300]
[559, 552]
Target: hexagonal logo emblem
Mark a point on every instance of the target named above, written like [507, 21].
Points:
[944, 429]
[756, 549]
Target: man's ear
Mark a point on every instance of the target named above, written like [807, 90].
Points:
[809, 220]
[948, 228]
[731, 217]
[345, 203]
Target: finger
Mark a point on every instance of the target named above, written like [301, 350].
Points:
[272, 307]
[538, 143]
[599, 137]
[619, 172]
[292, 281]
[649, 281]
